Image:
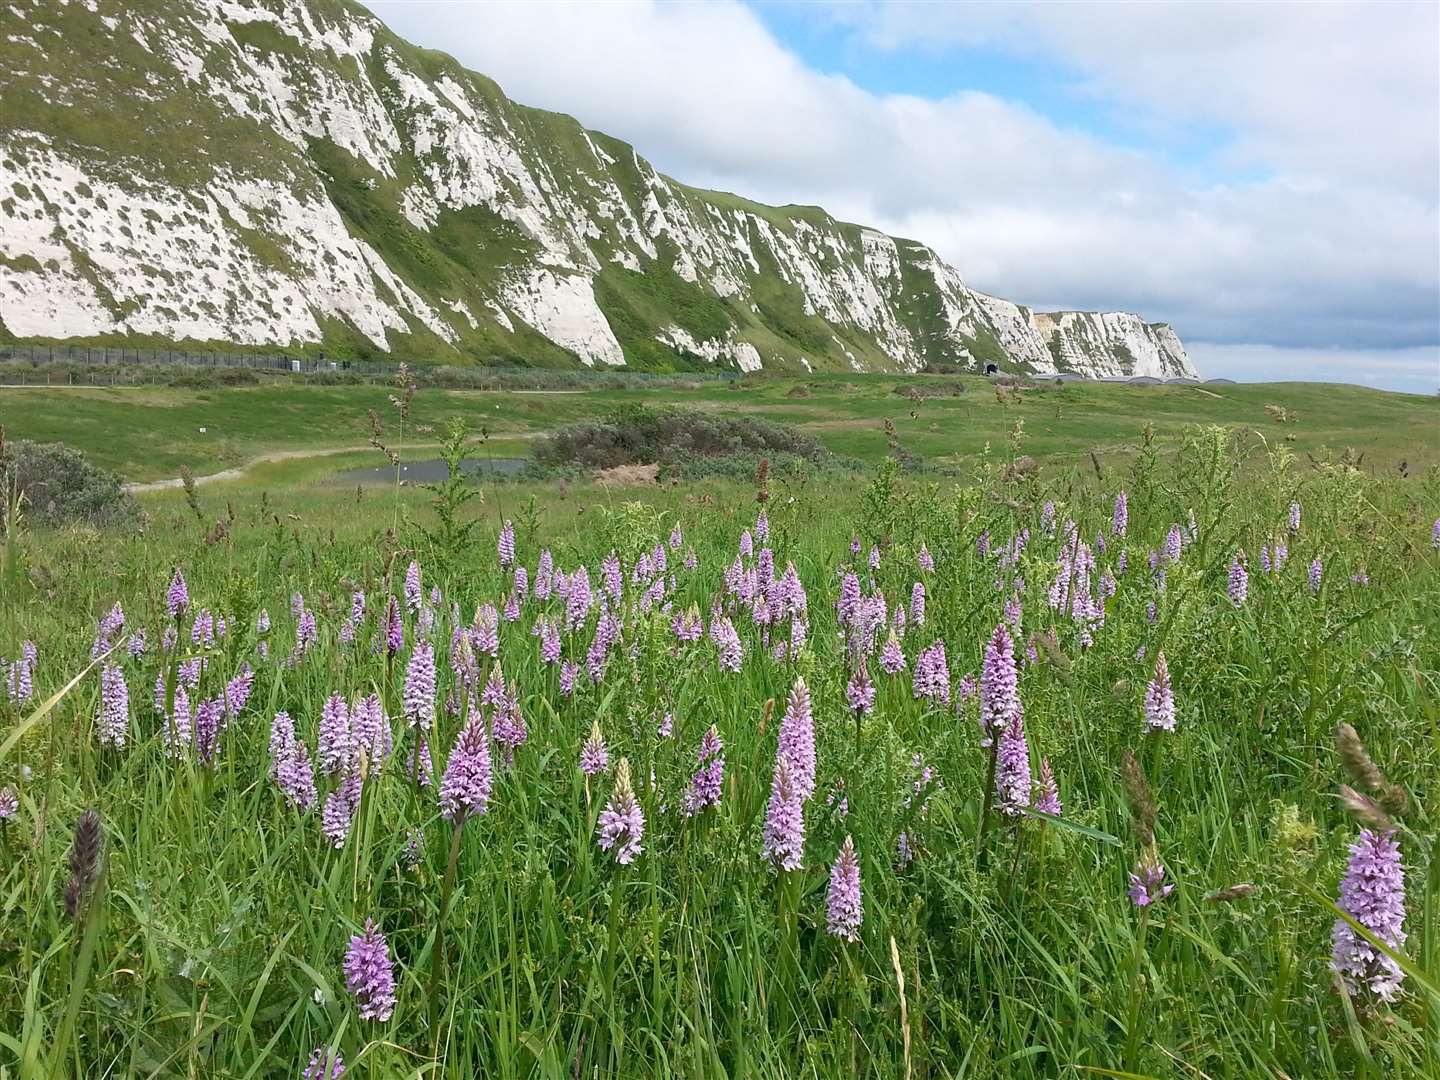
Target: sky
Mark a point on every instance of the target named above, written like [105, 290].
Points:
[1264, 177]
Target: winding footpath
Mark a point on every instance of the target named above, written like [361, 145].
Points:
[239, 471]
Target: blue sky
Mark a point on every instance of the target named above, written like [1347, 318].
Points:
[1263, 176]
[936, 71]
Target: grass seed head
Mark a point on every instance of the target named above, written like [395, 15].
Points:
[1356, 759]
[1366, 809]
[1143, 810]
[84, 859]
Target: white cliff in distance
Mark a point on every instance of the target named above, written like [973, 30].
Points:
[290, 174]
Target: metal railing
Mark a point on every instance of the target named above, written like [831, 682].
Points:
[119, 355]
[117, 365]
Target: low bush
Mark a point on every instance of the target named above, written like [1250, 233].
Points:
[641, 435]
[946, 367]
[207, 378]
[59, 485]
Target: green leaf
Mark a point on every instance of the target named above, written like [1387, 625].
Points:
[1072, 826]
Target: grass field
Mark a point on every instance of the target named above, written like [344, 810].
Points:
[149, 433]
[257, 809]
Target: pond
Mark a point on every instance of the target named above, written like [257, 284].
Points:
[430, 471]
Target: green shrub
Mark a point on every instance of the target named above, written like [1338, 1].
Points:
[640, 435]
[59, 485]
[946, 367]
[205, 378]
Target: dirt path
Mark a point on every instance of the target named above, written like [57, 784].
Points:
[240, 470]
[288, 455]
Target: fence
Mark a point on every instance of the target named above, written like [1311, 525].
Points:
[118, 358]
[101, 355]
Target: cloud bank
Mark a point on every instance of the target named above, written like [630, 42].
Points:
[1310, 226]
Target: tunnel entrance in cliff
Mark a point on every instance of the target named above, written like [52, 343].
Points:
[991, 369]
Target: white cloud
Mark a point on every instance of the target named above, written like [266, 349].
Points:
[1334, 107]
[1339, 89]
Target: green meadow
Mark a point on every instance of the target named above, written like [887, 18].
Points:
[362, 789]
[148, 433]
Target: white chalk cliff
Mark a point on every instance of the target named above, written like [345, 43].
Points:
[290, 174]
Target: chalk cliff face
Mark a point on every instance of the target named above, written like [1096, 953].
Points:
[289, 173]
